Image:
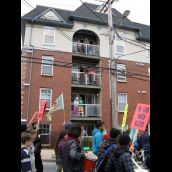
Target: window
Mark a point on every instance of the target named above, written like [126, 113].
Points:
[45, 134]
[121, 73]
[122, 101]
[119, 45]
[46, 94]
[49, 36]
[47, 68]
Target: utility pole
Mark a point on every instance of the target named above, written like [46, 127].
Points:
[113, 71]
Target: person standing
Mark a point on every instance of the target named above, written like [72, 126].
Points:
[37, 152]
[81, 106]
[25, 157]
[121, 160]
[59, 150]
[31, 149]
[112, 140]
[90, 74]
[74, 159]
[144, 143]
[97, 137]
[75, 107]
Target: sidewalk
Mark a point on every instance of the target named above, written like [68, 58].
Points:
[48, 155]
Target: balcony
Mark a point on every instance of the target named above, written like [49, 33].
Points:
[84, 79]
[86, 112]
[86, 49]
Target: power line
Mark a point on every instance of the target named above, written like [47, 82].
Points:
[128, 75]
[64, 34]
[109, 25]
[69, 63]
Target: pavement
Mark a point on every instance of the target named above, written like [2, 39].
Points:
[48, 155]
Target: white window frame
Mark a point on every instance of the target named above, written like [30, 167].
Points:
[40, 97]
[119, 77]
[47, 134]
[44, 43]
[122, 43]
[118, 101]
[48, 58]
[149, 72]
[148, 51]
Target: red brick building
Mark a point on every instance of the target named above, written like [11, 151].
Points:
[74, 60]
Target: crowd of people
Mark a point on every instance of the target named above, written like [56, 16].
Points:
[113, 151]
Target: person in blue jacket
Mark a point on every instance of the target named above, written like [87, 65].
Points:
[97, 137]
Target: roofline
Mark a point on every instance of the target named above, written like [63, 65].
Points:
[47, 11]
[48, 23]
[143, 39]
[101, 22]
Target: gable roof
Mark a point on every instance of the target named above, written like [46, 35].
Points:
[82, 13]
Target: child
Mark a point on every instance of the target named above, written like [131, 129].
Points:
[25, 157]
[31, 149]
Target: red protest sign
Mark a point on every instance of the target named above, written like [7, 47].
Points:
[41, 110]
[141, 117]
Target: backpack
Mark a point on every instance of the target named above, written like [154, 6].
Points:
[100, 163]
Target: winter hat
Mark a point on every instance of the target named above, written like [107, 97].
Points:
[124, 139]
[68, 125]
[114, 132]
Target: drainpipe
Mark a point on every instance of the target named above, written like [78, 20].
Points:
[30, 76]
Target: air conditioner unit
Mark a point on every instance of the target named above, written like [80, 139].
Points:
[143, 92]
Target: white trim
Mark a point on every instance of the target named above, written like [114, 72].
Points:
[48, 44]
[50, 99]
[48, 57]
[121, 44]
[118, 100]
[125, 77]
[46, 11]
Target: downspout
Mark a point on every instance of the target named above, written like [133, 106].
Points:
[30, 75]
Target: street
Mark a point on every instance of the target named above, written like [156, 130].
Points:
[50, 167]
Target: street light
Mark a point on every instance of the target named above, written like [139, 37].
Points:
[125, 15]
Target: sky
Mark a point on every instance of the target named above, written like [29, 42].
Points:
[139, 9]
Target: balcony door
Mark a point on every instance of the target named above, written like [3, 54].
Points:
[89, 99]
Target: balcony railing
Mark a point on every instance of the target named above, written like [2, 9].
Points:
[88, 49]
[82, 78]
[86, 110]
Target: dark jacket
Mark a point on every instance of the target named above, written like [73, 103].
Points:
[60, 153]
[38, 160]
[74, 159]
[105, 144]
[144, 143]
[25, 160]
[122, 161]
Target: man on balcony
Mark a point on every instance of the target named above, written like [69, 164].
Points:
[90, 74]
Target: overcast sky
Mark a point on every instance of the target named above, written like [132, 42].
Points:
[139, 9]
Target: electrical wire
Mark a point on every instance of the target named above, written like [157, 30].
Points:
[96, 67]
[128, 75]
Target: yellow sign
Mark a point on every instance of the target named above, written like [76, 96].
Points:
[125, 116]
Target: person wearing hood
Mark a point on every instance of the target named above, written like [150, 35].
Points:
[121, 161]
[97, 137]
